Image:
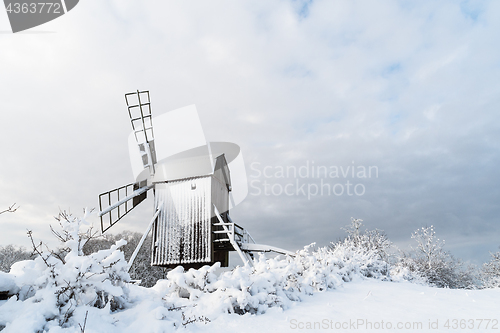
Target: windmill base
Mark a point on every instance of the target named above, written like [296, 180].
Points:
[219, 256]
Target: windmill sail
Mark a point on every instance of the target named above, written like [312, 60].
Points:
[117, 203]
[139, 109]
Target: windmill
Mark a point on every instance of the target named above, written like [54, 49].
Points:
[190, 179]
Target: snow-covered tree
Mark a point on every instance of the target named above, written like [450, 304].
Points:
[429, 260]
[11, 254]
[429, 248]
[491, 272]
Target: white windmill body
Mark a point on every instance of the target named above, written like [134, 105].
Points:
[191, 182]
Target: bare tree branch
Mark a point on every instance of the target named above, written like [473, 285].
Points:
[11, 209]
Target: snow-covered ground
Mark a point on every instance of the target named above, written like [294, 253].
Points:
[363, 305]
[374, 306]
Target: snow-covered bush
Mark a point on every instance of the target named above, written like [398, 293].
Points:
[406, 269]
[491, 272]
[55, 283]
[272, 282]
[363, 252]
[7, 284]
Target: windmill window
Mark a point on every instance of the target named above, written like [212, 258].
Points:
[193, 186]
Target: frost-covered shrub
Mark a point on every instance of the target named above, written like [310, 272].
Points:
[274, 282]
[491, 272]
[353, 261]
[406, 269]
[55, 283]
[366, 253]
[271, 282]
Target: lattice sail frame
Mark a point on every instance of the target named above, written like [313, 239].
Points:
[119, 202]
[139, 110]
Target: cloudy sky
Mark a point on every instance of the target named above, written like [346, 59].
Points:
[409, 88]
